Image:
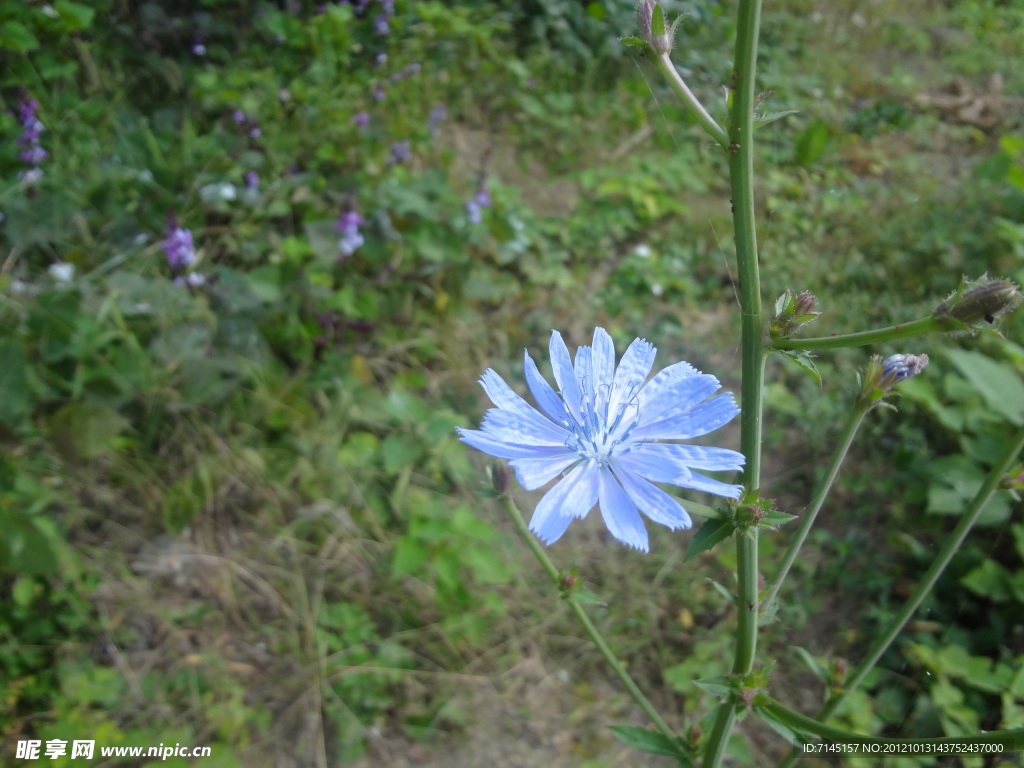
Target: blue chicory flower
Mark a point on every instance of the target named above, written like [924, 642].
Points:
[380, 25]
[607, 430]
[252, 180]
[362, 119]
[902, 367]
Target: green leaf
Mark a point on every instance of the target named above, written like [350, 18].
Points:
[781, 728]
[771, 117]
[811, 144]
[724, 591]
[74, 15]
[651, 742]
[658, 21]
[712, 532]
[85, 430]
[633, 41]
[17, 37]
[583, 596]
[989, 580]
[408, 555]
[774, 518]
[811, 662]
[718, 686]
[14, 394]
[804, 360]
[998, 383]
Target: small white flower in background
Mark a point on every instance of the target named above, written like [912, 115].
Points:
[62, 272]
[643, 251]
[221, 191]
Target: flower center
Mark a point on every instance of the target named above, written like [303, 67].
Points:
[599, 434]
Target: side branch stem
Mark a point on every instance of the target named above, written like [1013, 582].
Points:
[974, 510]
[668, 69]
[853, 423]
[930, 324]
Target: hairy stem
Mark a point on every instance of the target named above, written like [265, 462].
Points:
[930, 324]
[668, 69]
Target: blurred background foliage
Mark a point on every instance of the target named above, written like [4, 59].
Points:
[234, 513]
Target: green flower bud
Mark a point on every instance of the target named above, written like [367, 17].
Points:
[981, 300]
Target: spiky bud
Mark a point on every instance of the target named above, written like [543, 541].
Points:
[981, 300]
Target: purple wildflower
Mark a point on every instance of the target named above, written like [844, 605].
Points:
[239, 117]
[180, 250]
[406, 73]
[475, 207]
[32, 128]
[380, 25]
[437, 116]
[380, 59]
[252, 179]
[351, 239]
[192, 279]
[362, 119]
[379, 93]
[388, 6]
[256, 133]
[401, 152]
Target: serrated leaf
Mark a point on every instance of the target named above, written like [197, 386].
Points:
[712, 532]
[771, 117]
[774, 518]
[719, 686]
[801, 358]
[811, 662]
[652, 742]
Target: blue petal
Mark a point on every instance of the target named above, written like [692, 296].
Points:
[691, 456]
[656, 467]
[565, 375]
[699, 482]
[653, 501]
[515, 428]
[619, 513]
[503, 396]
[573, 497]
[681, 390]
[602, 363]
[533, 473]
[631, 373]
[703, 418]
[545, 396]
[508, 450]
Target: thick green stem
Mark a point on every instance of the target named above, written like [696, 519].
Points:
[703, 116]
[1008, 741]
[838, 456]
[741, 182]
[930, 324]
[974, 510]
[588, 626]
